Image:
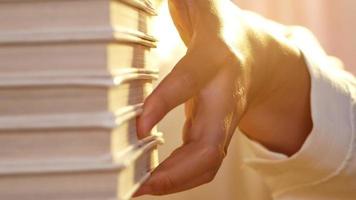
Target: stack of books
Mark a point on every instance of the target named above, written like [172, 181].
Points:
[73, 76]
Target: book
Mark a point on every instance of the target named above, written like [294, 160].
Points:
[75, 58]
[73, 78]
[81, 181]
[23, 20]
[60, 95]
[69, 138]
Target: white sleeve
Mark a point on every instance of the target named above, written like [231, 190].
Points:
[325, 166]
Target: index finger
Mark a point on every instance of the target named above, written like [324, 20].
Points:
[185, 80]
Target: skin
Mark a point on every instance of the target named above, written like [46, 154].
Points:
[236, 73]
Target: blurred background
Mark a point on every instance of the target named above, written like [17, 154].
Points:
[333, 22]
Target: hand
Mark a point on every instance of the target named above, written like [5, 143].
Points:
[238, 70]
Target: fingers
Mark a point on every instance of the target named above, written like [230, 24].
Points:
[190, 74]
[195, 69]
[214, 110]
[207, 135]
[197, 161]
[189, 166]
[180, 85]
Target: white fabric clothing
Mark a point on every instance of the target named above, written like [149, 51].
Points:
[325, 166]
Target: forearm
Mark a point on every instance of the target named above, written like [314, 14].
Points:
[283, 121]
[280, 118]
[323, 167]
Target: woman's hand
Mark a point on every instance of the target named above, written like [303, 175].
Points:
[239, 69]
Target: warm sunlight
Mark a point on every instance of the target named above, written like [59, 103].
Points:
[164, 30]
[177, 99]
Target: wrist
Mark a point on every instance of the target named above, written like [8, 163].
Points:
[278, 116]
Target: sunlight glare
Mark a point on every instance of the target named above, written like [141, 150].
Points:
[164, 30]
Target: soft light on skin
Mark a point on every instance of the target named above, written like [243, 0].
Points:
[229, 11]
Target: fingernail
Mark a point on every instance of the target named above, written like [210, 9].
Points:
[145, 189]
